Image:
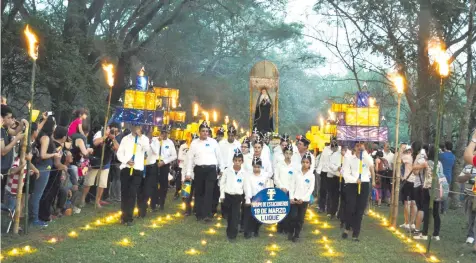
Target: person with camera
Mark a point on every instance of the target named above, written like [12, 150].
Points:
[97, 169]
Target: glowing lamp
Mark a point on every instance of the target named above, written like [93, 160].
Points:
[27, 248]
[203, 242]
[52, 240]
[73, 234]
[14, 252]
[142, 233]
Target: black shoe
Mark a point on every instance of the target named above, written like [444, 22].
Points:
[256, 234]
[187, 214]
[355, 239]
[345, 235]
[242, 229]
[161, 208]
[232, 240]
[280, 231]
[130, 224]
[295, 239]
[207, 220]
[342, 225]
[247, 235]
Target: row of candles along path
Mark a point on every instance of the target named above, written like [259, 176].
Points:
[111, 219]
[414, 246]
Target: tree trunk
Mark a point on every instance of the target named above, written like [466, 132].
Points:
[464, 122]
[421, 117]
[120, 82]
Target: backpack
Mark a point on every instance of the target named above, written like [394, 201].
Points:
[383, 165]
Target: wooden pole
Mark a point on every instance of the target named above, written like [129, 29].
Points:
[396, 169]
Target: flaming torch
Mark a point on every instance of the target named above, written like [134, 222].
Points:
[195, 109]
[437, 52]
[215, 116]
[33, 44]
[227, 120]
[399, 83]
[109, 71]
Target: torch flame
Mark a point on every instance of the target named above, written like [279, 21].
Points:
[437, 52]
[321, 121]
[398, 82]
[195, 109]
[227, 120]
[109, 69]
[235, 124]
[215, 116]
[32, 43]
[207, 116]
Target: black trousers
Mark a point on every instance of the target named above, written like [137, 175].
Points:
[355, 206]
[284, 226]
[164, 185]
[49, 196]
[178, 181]
[242, 217]
[251, 224]
[216, 197]
[147, 187]
[188, 200]
[233, 217]
[323, 192]
[297, 214]
[129, 186]
[332, 195]
[205, 179]
[426, 216]
[341, 213]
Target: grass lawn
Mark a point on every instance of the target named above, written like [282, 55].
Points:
[170, 240]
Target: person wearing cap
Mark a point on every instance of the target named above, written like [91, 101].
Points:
[302, 146]
[185, 151]
[220, 134]
[227, 150]
[284, 173]
[130, 182]
[358, 169]
[322, 170]
[332, 180]
[151, 179]
[232, 185]
[256, 183]
[301, 187]
[167, 154]
[278, 155]
[204, 159]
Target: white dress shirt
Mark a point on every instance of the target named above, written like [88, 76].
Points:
[182, 153]
[325, 160]
[233, 182]
[335, 161]
[278, 157]
[167, 152]
[153, 152]
[265, 165]
[254, 184]
[247, 161]
[265, 152]
[302, 186]
[204, 152]
[125, 151]
[351, 165]
[283, 175]
[390, 157]
[227, 151]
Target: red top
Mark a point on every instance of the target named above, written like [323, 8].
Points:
[73, 127]
[474, 160]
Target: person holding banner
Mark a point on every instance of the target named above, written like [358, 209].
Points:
[232, 185]
[284, 174]
[357, 169]
[131, 155]
[256, 183]
[301, 187]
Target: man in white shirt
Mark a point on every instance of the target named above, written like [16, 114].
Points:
[356, 200]
[167, 154]
[335, 162]
[150, 182]
[302, 145]
[278, 155]
[131, 154]
[204, 159]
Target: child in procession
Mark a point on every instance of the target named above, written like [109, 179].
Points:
[301, 188]
[232, 185]
[256, 183]
[284, 174]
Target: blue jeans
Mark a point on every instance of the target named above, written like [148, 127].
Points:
[10, 201]
[73, 174]
[40, 185]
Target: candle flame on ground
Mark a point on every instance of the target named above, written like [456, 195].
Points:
[32, 43]
[73, 234]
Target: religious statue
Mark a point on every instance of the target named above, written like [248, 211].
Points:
[263, 120]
